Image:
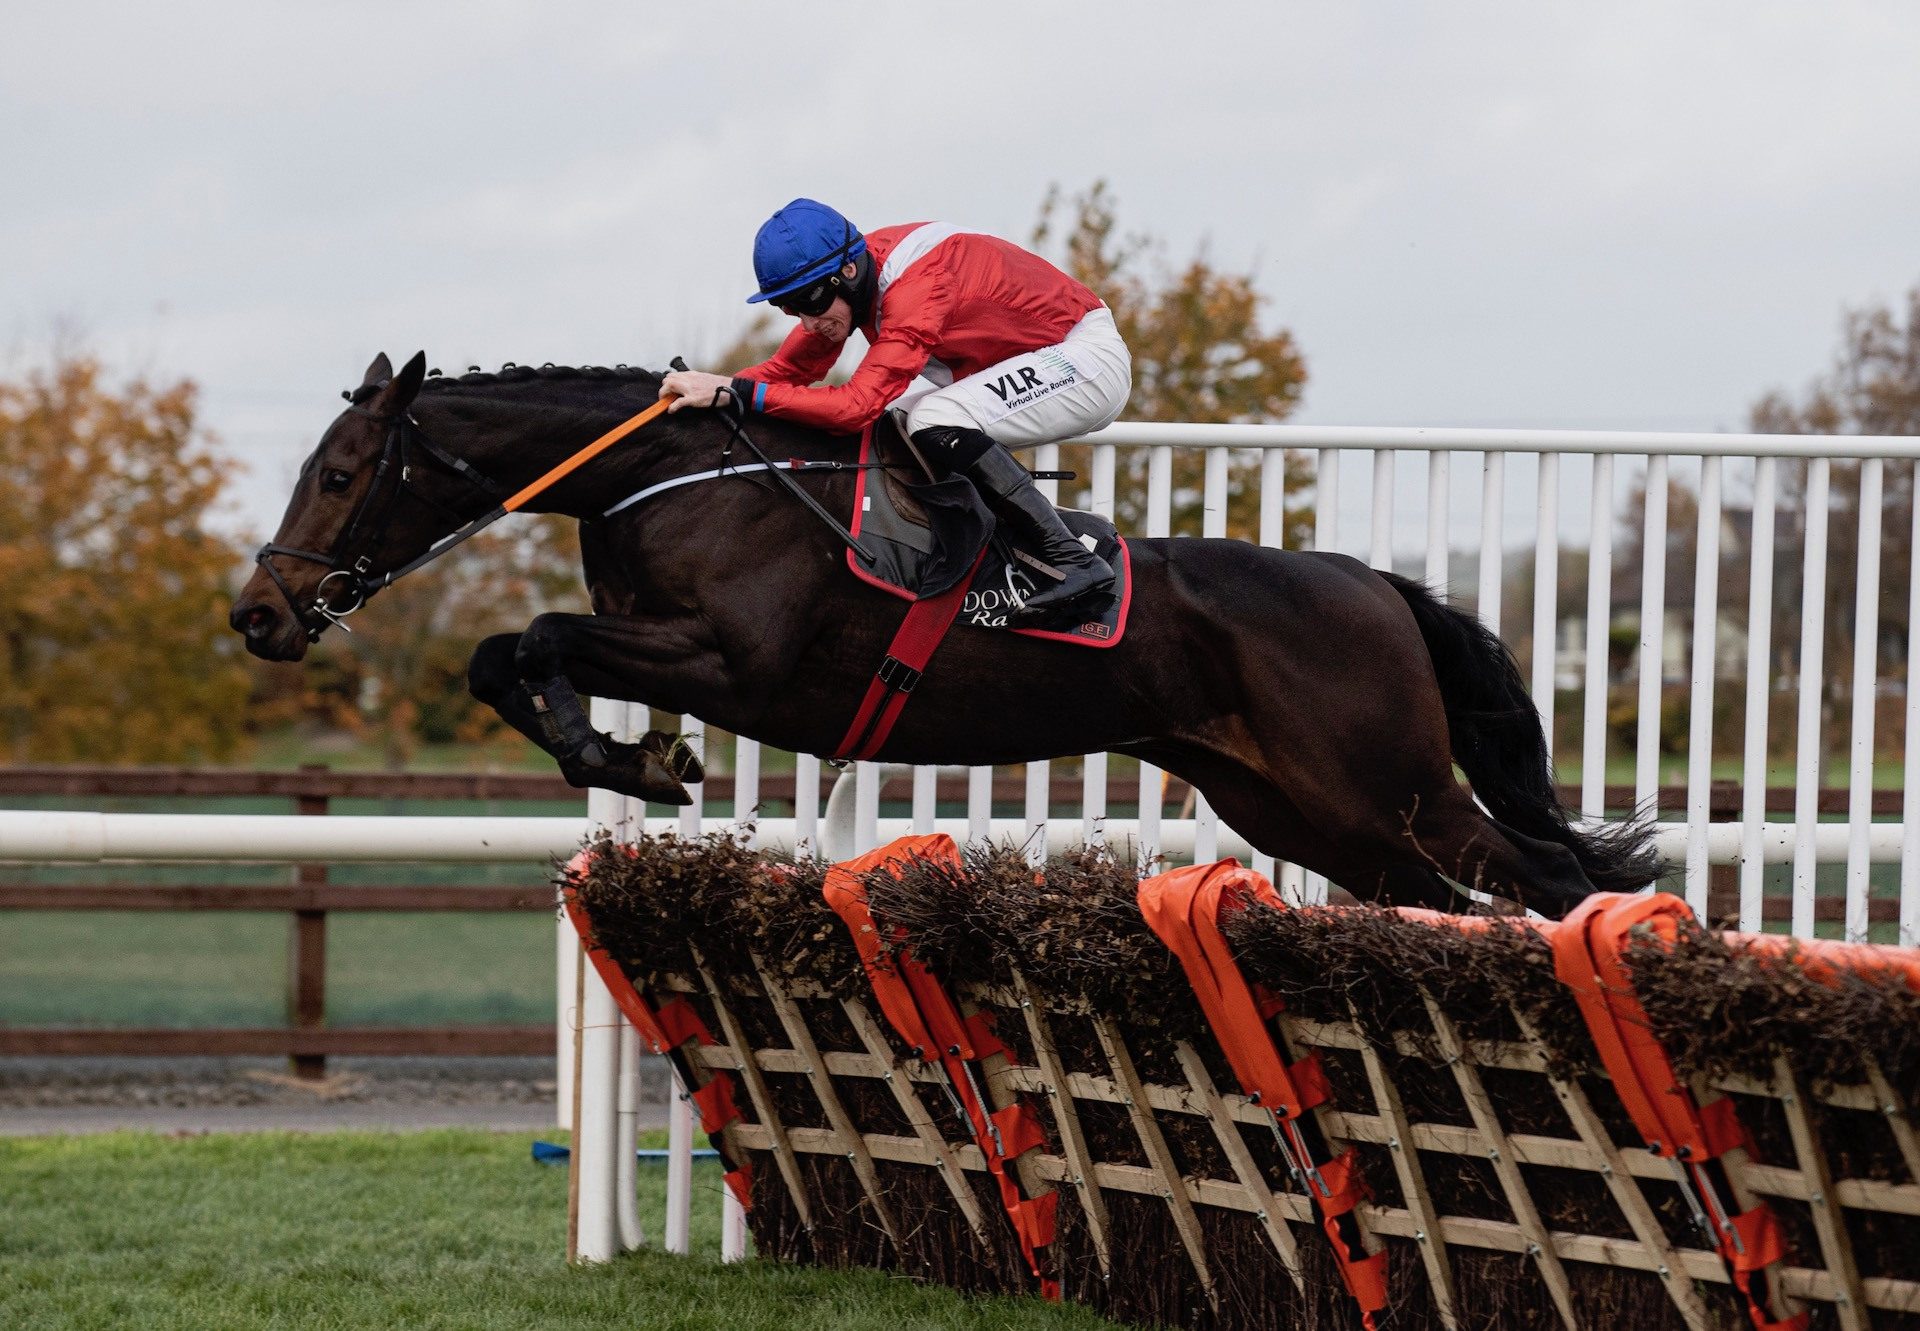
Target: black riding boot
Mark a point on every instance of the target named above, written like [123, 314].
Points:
[1009, 491]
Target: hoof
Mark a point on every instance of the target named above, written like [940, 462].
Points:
[629, 769]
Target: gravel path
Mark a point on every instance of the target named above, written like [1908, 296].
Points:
[78, 1095]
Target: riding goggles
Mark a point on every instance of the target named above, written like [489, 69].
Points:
[814, 299]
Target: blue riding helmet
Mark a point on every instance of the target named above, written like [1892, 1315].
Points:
[801, 243]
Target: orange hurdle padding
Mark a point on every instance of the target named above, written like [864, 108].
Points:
[1184, 909]
[664, 1030]
[1589, 958]
[930, 1023]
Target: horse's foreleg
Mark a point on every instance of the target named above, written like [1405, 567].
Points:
[530, 679]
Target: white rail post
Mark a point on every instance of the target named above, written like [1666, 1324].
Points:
[1493, 511]
[1705, 617]
[1213, 526]
[1910, 821]
[1093, 772]
[1273, 533]
[979, 805]
[1040, 774]
[1438, 504]
[679, 1166]
[596, 1229]
[1813, 637]
[1753, 813]
[1866, 657]
[1593, 721]
[1546, 593]
[806, 804]
[693, 734]
[1159, 523]
[629, 825]
[1380, 527]
[1653, 665]
[746, 782]
[866, 807]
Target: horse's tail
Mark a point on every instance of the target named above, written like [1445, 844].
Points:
[1498, 742]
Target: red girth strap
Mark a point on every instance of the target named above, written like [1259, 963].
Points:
[1184, 908]
[1588, 949]
[912, 647]
[930, 1024]
[662, 1030]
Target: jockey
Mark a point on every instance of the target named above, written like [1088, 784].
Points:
[1015, 353]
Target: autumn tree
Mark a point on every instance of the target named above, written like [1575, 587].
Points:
[113, 595]
[1202, 351]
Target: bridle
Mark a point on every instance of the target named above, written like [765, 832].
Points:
[354, 573]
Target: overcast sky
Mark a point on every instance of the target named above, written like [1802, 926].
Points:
[1634, 215]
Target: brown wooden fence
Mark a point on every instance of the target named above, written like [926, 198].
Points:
[307, 1040]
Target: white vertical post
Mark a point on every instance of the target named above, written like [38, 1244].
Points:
[679, 1166]
[1813, 637]
[567, 972]
[1273, 533]
[806, 802]
[1593, 723]
[925, 790]
[1546, 592]
[1753, 779]
[1653, 614]
[1380, 529]
[630, 824]
[1493, 514]
[594, 1160]
[1706, 616]
[1039, 777]
[979, 804]
[746, 782]
[626, 1139]
[1326, 536]
[733, 1228]
[1866, 657]
[1159, 523]
[1213, 525]
[1437, 506]
[1093, 772]
[1910, 821]
[1040, 774]
[866, 807]
[1326, 500]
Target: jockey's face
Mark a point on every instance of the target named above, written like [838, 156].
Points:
[836, 324]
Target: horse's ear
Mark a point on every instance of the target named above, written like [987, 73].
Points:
[399, 395]
[379, 372]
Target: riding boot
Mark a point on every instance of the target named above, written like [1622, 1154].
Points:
[1010, 493]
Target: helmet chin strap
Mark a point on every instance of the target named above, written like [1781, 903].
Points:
[860, 290]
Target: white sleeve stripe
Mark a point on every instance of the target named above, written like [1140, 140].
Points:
[913, 247]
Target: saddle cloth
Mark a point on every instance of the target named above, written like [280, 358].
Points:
[926, 536]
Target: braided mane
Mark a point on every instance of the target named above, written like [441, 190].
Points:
[511, 373]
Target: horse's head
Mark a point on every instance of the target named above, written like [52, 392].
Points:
[345, 524]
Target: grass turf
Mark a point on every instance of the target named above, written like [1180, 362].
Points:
[453, 1229]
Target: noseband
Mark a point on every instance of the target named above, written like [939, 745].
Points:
[356, 581]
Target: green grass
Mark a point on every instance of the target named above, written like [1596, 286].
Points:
[419, 1230]
[221, 968]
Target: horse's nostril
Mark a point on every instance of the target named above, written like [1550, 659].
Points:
[255, 621]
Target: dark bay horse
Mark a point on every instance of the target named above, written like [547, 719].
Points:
[1321, 706]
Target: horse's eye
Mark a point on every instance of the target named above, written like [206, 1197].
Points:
[334, 482]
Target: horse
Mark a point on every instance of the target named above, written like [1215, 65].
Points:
[1321, 706]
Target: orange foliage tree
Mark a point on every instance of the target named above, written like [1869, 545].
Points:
[113, 596]
[1202, 351]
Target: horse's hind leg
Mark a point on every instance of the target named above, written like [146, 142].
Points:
[1450, 834]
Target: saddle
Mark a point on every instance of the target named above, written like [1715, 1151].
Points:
[929, 533]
